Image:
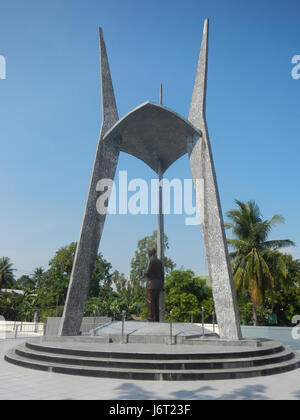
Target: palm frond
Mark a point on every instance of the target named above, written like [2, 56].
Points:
[278, 244]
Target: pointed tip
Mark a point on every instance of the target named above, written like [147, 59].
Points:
[109, 107]
[161, 94]
[197, 110]
[206, 26]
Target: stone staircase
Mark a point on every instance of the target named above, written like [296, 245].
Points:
[153, 362]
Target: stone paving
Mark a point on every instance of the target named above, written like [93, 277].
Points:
[18, 383]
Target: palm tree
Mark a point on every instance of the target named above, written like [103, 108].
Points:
[6, 273]
[255, 259]
[37, 276]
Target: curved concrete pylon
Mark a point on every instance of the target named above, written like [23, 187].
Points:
[209, 207]
[92, 225]
[154, 134]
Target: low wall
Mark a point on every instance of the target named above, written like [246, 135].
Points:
[285, 335]
[281, 334]
[88, 323]
[210, 327]
[10, 329]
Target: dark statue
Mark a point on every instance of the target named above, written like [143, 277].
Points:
[155, 280]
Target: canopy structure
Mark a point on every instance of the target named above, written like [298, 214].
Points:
[158, 136]
[153, 133]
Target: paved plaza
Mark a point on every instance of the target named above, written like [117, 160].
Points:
[17, 383]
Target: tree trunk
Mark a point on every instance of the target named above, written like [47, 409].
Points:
[254, 312]
[272, 300]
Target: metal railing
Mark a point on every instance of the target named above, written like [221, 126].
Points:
[123, 326]
[89, 328]
[203, 325]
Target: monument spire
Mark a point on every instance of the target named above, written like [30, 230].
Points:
[198, 104]
[109, 107]
[209, 206]
[105, 165]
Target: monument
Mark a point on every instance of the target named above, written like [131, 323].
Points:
[155, 350]
[158, 136]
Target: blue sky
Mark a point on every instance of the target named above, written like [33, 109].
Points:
[50, 113]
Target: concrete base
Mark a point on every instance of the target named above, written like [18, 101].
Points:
[100, 356]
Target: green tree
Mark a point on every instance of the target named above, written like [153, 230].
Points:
[127, 299]
[253, 254]
[53, 284]
[10, 305]
[28, 307]
[186, 293]
[25, 282]
[6, 273]
[37, 276]
[285, 299]
[101, 281]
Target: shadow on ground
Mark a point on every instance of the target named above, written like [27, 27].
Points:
[129, 391]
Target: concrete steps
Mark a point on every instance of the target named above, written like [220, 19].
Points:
[156, 352]
[179, 364]
[153, 362]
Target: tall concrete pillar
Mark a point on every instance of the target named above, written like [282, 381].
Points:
[160, 239]
[92, 225]
[209, 207]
